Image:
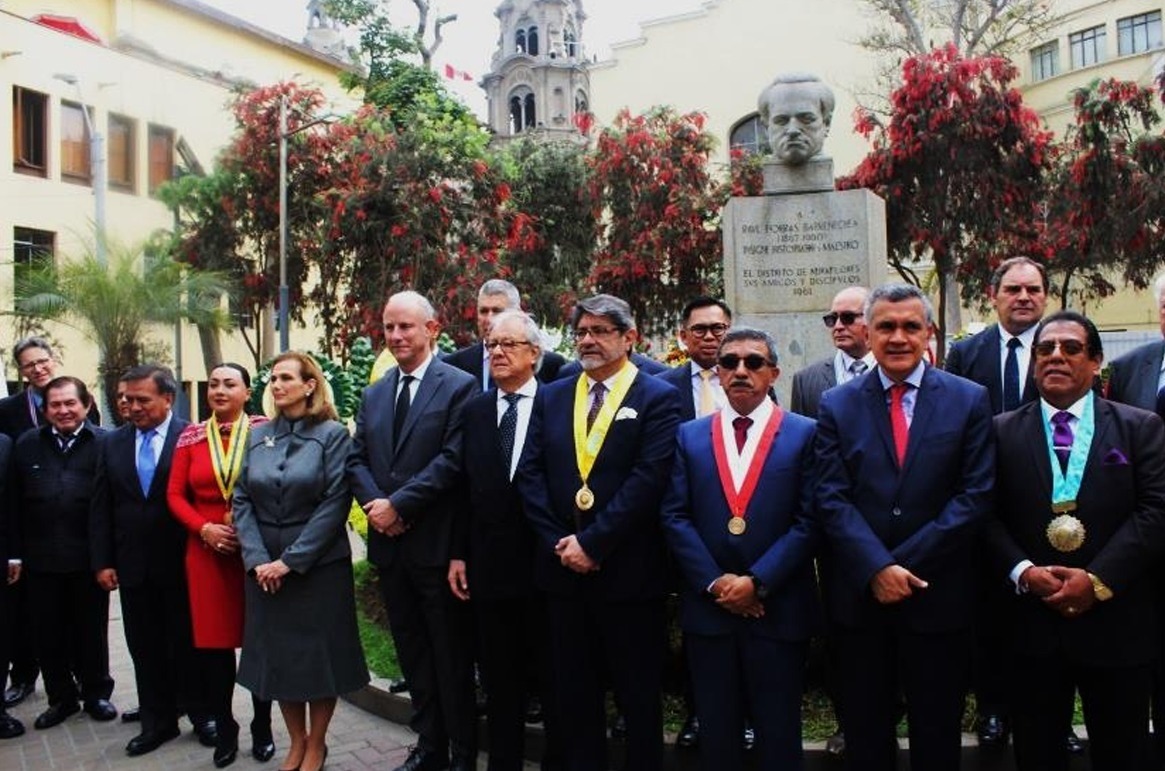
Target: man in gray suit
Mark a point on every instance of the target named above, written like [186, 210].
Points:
[1138, 376]
[404, 470]
[847, 326]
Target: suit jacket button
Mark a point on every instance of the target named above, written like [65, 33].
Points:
[897, 512]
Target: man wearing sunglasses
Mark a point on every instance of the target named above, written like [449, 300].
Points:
[704, 322]
[597, 462]
[738, 518]
[1078, 531]
[847, 328]
[906, 464]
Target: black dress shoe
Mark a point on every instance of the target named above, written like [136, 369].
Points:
[207, 733]
[533, 710]
[100, 710]
[398, 686]
[421, 759]
[619, 726]
[146, 742]
[748, 741]
[262, 744]
[992, 730]
[10, 727]
[131, 715]
[1074, 743]
[18, 693]
[835, 745]
[689, 735]
[56, 714]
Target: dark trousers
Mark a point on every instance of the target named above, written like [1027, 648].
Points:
[1116, 713]
[512, 654]
[215, 685]
[70, 614]
[628, 637]
[991, 667]
[734, 671]
[431, 631]
[883, 660]
[21, 658]
[156, 616]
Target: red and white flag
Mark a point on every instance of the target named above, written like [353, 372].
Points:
[452, 73]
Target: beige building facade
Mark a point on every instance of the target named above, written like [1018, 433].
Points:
[716, 59]
[156, 78]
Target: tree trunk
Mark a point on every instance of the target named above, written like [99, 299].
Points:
[940, 344]
[211, 347]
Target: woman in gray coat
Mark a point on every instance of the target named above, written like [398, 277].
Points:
[300, 642]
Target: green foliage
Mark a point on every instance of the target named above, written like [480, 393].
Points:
[379, 650]
[361, 359]
[113, 303]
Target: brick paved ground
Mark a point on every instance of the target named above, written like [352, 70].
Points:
[357, 740]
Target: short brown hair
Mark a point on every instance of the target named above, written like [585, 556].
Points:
[319, 403]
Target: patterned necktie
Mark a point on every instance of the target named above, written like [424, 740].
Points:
[741, 426]
[707, 401]
[403, 400]
[147, 461]
[1062, 437]
[857, 369]
[598, 393]
[65, 441]
[898, 422]
[1011, 375]
[508, 428]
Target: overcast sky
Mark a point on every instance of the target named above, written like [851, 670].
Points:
[471, 40]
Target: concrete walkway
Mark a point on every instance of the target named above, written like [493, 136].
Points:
[357, 739]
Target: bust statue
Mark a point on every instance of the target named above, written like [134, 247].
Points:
[796, 110]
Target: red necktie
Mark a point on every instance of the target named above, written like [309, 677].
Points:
[740, 426]
[898, 420]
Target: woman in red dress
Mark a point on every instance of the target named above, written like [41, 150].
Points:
[201, 481]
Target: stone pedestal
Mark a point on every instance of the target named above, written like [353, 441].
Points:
[787, 255]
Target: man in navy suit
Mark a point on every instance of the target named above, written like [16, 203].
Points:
[1078, 533]
[906, 465]
[138, 547]
[1138, 377]
[493, 558]
[404, 471]
[847, 328]
[704, 321]
[597, 462]
[999, 358]
[497, 296]
[745, 548]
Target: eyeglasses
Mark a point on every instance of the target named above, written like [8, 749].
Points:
[505, 345]
[29, 366]
[1046, 348]
[847, 318]
[703, 330]
[752, 362]
[581, 333]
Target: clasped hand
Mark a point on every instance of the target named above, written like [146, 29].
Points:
[895, 583]
[383, 517]
[737, 594]
[1068, 591]
[270, 575]
[572, 556]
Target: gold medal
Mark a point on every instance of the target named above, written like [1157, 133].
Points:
[737, 525]
[584, 498]
[1066, 533]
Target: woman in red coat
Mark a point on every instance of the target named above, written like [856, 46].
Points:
[201, 481]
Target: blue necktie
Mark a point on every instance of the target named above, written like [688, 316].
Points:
[147, 463]
[508, 428]
[1011, 376]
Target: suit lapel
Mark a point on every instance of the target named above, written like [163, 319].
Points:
[428, 386]
[879, 412]
[1148, 374]
[926, 400]
[828, 374]
[162, 469]
[1034, 436]
[989, 361]
[391, 380]
[1103, 422]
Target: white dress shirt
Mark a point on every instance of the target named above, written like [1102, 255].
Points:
[525, 408]
[738, 461]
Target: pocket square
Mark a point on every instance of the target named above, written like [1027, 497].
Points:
[626, 413]
[1114, 457]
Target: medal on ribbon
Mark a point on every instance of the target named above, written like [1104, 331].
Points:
[587, 444]
[1065, 532]
[226, 465]
[738, 499]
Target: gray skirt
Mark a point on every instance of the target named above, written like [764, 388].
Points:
[302, 643]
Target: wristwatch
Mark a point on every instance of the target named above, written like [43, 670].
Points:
[762, 591]
[1099, 588]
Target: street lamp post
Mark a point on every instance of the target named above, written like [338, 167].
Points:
[96, 166]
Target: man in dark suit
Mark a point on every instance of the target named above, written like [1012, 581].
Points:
[52, 481]
[999, 358]
[906, 467]
[10, 727]
[494, 549]
[1138, 377]
[1079, 526]
[846, 323]
[749, 602]
[497, 296]
[404, 471]
[597, 462]
[703, 323]
[138, 547]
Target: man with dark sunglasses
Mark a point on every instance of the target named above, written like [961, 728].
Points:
[847, 328]
[704, 322]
